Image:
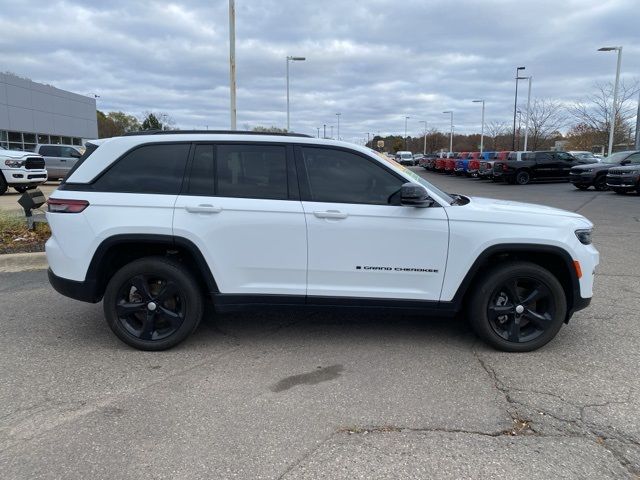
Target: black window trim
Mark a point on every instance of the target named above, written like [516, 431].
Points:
[303, 179]
[293, 192]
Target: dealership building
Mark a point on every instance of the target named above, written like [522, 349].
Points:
[32, 113]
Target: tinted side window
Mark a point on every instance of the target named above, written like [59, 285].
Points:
[565, 156]
[148, 169]
[49, 151]
[251, 171]
[201, 178]
[635, 158]
[69, 152]
[343, 177]
[543, 157]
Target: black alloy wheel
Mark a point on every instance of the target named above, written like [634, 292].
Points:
[153, 303]
[523, 177]
[600, 183]
[20, 189]
[581, 187]
[518, 306]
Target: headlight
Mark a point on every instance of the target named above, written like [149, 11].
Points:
[14, 163]
[584, 235]
[633, 172]
[587, 170]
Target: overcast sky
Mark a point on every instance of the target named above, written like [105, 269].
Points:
[374, 61]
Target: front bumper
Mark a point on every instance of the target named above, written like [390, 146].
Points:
[623, 181]
[582, 178]
[22, 176]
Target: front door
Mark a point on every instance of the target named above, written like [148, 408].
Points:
[361, 241]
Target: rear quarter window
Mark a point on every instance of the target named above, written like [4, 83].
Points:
[157, 168]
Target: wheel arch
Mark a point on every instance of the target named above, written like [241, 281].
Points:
[553, 258]
[115, 252]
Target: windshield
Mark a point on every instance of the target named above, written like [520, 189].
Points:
[616, 157]
[406, 155]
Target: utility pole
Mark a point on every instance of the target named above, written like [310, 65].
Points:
[324, 130]
[232, 61]
[405, 132]
[338, 115]
[526, 123]
[424, 148]
[318, 131]
[515, 108]
[638, 125]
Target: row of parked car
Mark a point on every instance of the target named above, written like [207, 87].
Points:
[620, 172]
[23, 170]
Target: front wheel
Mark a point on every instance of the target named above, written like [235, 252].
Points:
[601, 183]
[153, 303]
[523, 177]
[20, 189]
[620, 191]
[581, 187]
[518, 307]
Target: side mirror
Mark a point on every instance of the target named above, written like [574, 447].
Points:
[76, 154]
[625, 162]
[414, 195]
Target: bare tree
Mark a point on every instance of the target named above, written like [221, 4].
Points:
[546, 118]
[495, 130]
[595, 111]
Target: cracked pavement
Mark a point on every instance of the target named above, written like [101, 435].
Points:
[319, 395]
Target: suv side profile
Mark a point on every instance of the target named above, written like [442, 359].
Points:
[542, 165]
[153, 224]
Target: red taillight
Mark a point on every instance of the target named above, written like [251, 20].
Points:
[58, 205]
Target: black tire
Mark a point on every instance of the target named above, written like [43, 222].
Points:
[20, 189]
[600, 183]
[500, 321]
[581, 187]
[153, 297]
[620, 191]
[523, 177]
[3, 185]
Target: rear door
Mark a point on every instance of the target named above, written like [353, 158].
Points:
[565, 162]
[546, 166]
[361, 242]
[241, 208]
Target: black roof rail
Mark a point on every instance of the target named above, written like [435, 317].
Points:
[213, 132]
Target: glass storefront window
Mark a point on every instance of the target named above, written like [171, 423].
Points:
[3, 136]
[77, 141]
[66, 140]
[30, 147]
[29, 137]
[15, 146]
[15, 137]
[43, 138]
[55, 140]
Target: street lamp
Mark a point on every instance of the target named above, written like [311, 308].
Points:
[232, 63]
[615, 93]
[515, 107]
[424, 149]
[405, 131]
[338, 115]
[451, 135]
[291, 59]
[526, 122]
[482, 127]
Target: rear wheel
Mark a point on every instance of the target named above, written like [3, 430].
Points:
[3, 185]
[153, 303]
[600, 183]
[518, 307]
[523, 177]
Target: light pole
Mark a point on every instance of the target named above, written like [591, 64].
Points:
[232, 61]
[324, 130]
[405, 131]
[368, 136]
[515, 107]
[615, 93]
[424, 148]
[451, 135]
[291, 59]
[528, 114]
[331, 132]
[338, 115]
[482, 127]
[638, 125]
[318, 131]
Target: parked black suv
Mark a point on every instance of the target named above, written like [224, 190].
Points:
[625, 179]
[547, 165]
[595, 174]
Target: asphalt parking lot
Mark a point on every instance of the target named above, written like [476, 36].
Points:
[289, 395]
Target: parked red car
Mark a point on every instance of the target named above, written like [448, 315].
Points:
[474, 164]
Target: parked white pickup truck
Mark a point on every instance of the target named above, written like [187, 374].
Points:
[21, 170]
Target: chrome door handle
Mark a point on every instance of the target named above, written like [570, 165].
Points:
[331, 214]
[203, 208]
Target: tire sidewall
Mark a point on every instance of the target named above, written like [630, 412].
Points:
[481, 296]
[521, 174]
[169, 269]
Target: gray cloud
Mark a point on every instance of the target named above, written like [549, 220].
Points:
[373, 61]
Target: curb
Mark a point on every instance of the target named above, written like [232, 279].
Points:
[21, 262]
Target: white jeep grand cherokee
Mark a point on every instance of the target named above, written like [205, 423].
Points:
[153, 223]
[21, 170]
